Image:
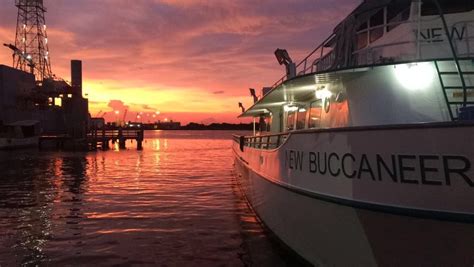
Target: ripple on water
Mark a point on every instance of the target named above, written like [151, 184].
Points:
[173, 203]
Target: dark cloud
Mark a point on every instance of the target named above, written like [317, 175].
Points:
[218, 92]
[147, 107]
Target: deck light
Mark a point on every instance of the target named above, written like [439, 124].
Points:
[417, 76]
[289, 108]
[323, 93]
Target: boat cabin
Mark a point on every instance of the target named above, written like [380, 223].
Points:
[20, 129]
[388, 62]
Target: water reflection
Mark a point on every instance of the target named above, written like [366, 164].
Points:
[30, 186]
[172, 203]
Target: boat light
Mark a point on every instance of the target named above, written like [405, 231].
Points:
[417, 76]
[288, 108]
[323, 93]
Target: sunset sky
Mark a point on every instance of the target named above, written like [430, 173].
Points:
[192, 60]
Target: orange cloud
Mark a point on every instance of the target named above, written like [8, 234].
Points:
[174, 55]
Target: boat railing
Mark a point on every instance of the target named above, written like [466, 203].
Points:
[323, 57]
[307, 65]
[266, 142]
[115, 133]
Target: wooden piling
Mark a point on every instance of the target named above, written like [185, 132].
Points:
[115, 135]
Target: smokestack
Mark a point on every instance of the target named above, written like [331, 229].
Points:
[76, 76]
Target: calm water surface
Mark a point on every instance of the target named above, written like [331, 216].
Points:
[173, 204]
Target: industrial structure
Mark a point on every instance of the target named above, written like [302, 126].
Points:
[31, 39]
[29, 90]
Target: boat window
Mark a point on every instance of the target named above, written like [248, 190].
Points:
[315, 115]
[397, 11]
[449, 6]
[362, 40]
[28, 131]
[290, 121]
[376, 21]
[265, 124]
[301, 119]
[362, 35]
[363, 26]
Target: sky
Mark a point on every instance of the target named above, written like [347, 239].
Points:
[190, 60]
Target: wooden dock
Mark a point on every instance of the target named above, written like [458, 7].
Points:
[101, 138]
[95, 139]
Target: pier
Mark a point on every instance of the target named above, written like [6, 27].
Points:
[96, 139]
[102, 138]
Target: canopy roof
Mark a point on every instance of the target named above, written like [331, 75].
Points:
[299, 89]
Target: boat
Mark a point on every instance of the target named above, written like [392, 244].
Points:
[19, 134]
[364, 152]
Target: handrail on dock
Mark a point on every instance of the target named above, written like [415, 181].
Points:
[104, 136]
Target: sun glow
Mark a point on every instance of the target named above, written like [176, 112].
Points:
[158, 101]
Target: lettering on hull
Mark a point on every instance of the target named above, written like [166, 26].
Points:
[433, 35]
[428, 170]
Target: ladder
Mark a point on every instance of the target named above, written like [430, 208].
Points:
[457, 84]
[464, 75]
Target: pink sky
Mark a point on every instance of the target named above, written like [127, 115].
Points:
[191, 60]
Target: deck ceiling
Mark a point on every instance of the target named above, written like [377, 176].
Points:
[300, 89]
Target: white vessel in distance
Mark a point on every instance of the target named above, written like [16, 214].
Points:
[19, 134]
[364, 153]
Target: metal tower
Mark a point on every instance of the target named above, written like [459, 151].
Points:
[32, 40]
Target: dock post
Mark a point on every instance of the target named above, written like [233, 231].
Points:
[140, 140]
[121, 139]
[105, 141]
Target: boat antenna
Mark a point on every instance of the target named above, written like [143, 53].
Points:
[252, 93]
[242, 107]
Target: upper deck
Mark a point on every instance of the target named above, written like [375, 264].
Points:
[392, 31]
[388, 62]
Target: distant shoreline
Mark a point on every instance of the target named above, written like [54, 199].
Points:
[219, 126]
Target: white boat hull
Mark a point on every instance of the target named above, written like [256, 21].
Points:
[423, 217]
[12, 143]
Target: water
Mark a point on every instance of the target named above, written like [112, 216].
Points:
[173, 204]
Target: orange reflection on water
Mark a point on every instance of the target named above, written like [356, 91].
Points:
[174, 195]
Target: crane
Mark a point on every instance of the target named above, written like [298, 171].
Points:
[24, 56]
[98, 114]
[124, 115]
